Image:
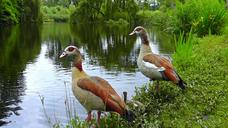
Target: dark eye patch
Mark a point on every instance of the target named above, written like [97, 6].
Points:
[70, 49]
[138, 29]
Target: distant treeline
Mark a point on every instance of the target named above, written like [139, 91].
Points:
[20, 11]
[17, 11]
[105, 10]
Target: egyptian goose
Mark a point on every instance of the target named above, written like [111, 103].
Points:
[154, 66]
[93, 92]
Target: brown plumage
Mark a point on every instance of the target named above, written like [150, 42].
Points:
[154, 66]
[93, 92]
[103, 90]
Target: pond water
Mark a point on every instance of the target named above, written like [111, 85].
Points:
[35, 85]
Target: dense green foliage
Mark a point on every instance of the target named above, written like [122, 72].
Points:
[64, 3]
[104, 10]
[15, 11]
[9, 12]
[202, 16]
[57, 13]
[57, 10]
[31, 11]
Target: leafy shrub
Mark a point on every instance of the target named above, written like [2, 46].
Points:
[31, 11]
[121, 15]
[57, 13]
[149, 17]
[203, 16]
[98, 10]
[8, 13]
[71, 8]
[165, 20]
[115, 23]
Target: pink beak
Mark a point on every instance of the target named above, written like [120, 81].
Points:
[63, 55]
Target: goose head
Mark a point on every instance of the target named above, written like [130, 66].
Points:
[139, 30]
[70, 50]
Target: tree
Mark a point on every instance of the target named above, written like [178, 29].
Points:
[31, 11]
[105, 10]
[227, 4]
[9, 13]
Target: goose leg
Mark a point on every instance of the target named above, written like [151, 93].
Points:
[98, 117]
[89, 117]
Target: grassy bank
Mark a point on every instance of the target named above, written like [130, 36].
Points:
[202, 104]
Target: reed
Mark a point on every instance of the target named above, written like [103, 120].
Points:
[202, 16]
[184, 49]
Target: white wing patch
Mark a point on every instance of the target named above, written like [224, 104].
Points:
[152, 66]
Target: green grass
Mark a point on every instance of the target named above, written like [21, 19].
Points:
[203, 16]
[184, 49]
[202, 104]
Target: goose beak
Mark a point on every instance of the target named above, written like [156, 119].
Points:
[63, 55]
[132, 33]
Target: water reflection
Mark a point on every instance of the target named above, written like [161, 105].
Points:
[18, 46]
[110, 47]
[29, 67]
[106, 46]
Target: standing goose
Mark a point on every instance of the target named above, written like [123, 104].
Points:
[93, 92]
[155, 66]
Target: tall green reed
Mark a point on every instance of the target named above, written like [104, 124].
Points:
[203, 16]
[184, 49]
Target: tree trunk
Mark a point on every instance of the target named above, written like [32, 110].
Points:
[226, 4]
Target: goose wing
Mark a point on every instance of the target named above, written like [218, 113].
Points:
[162, 64]
[102, 89]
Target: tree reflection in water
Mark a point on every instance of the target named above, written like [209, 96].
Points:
[18, 47]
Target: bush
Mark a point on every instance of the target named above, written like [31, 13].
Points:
[104, 10]
[115, 23]
[121, 15]
[203, 16]
[148, 17]
[57, 13]
[8, 13]
[165, 20]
